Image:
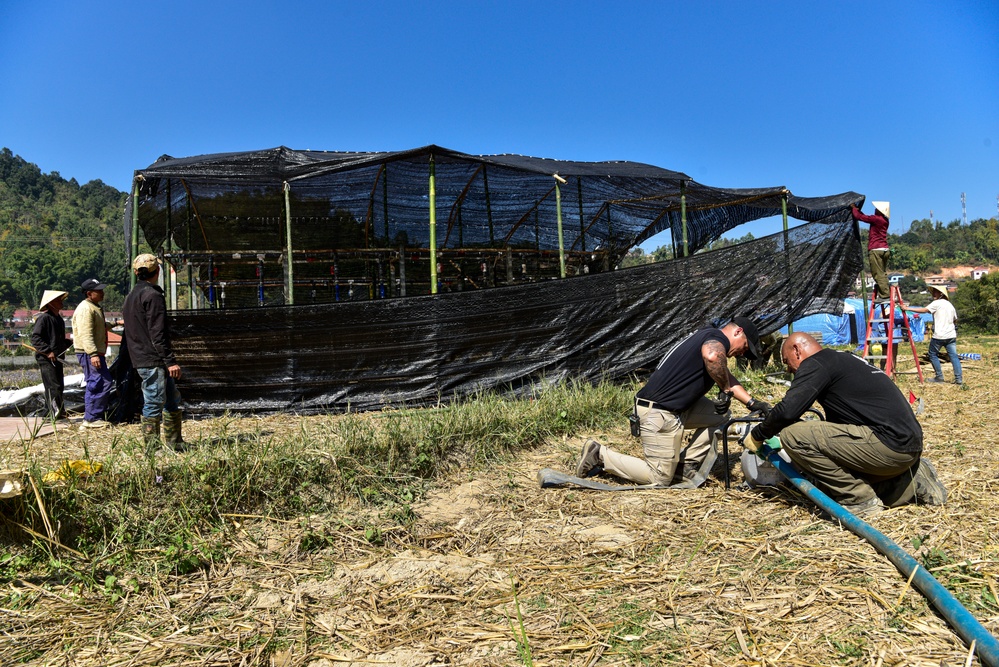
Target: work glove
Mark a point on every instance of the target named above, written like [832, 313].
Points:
[762, 407]
[723, 402]
[751, 443]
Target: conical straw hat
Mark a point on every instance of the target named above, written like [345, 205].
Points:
[49, 296]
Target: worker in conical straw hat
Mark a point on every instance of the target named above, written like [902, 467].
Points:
[48, 337]
[877, 243]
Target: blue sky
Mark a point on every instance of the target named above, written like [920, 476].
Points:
[895, 100]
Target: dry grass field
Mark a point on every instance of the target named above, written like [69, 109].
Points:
[486, 568]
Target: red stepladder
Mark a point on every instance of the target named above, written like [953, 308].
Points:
[881, 333]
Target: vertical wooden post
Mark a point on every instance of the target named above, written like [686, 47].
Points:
[433, 228]
[683, 215]
[558, 216]
[582, 223]
[290, 287]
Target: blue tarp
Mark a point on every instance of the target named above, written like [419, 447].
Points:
[836, 329]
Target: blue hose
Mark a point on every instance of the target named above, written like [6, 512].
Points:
[959, 618]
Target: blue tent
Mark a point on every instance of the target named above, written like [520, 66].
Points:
[851, 326]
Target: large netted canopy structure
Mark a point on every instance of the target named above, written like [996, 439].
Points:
[281, 226]
[309, 254]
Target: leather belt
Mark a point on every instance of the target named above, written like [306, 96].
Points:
[650, 404]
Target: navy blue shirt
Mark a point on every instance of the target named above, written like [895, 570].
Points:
[681, 377]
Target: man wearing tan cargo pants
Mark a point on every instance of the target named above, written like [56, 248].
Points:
[673, 403]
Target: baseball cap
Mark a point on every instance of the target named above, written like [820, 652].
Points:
[92, 285]
[145, 261]
[752, 336]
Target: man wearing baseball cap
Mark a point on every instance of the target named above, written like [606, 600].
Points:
[90, 338]
[48, 338]
[149, 348]
[673, 403]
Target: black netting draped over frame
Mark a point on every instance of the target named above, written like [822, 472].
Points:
[301, 280]
[366, 355]
[359, 222]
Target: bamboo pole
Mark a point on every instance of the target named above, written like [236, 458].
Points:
[433, 228]
[171, 292]
[133, 241]
[489, 205]
[787, 254]
[190, 269]
[290, 300]
[683, 216]
[558, 215]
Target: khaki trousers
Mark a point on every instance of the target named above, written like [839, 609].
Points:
[849, 462]
[662, 440]
[879, 270]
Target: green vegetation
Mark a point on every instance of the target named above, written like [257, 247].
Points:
[56, 233]
[170, 515]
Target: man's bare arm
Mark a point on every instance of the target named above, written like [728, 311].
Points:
[716, 363]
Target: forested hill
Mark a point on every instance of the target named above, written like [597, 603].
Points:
[928, 246]
[54, 234]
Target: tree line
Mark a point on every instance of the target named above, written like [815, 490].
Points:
[56, 233]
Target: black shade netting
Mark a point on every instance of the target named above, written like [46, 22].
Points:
[369, 354]
[360, 221]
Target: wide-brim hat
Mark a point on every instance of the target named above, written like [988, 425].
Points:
[942, 291]
[49, 296]
[883, 206]
[752, 336]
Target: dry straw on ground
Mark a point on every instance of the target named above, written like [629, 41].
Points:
[703, 577]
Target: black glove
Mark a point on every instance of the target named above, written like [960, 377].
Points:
[722, 402]
[760, 406]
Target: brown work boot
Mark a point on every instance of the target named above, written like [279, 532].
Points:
[590, 462]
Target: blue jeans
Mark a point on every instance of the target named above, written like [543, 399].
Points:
[950, 344]
[159, 391]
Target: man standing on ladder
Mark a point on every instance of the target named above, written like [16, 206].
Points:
[877, 244]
